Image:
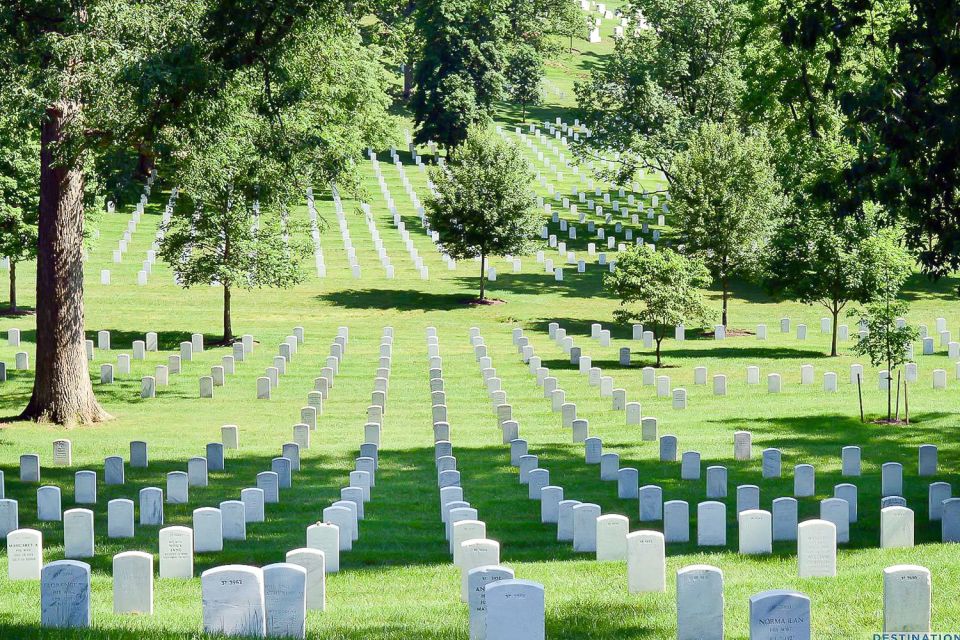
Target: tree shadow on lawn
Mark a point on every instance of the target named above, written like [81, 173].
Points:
[166, 340]
[580, 328]
[573, 285]
[397, 299]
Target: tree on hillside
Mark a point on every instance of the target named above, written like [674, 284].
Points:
[223, 245]
[525, 73]
[661, 83]
[86, 68]
[19, 199]
[834, 262]
[533, 22]
[660, 289]
[884, 342]
[725, 199]
[484, 205]
[459, 75]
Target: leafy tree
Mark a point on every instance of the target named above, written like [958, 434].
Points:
[223, 246]
[725, 198]
[884, 342]
[19, 198]
[524, 73]
[393, 29]
[661, 83]
[906, 120]
[660, 289]
[533, 22]
[88, 66]
[484, 205]
[833, 262]
[459, 76]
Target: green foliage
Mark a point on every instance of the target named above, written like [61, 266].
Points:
[484, 205]
[225, 244]
[459, 75]
[533, 22]
[19, 191]
[907, 120]
[832, 262]
[659, 289]
[662, 82]
[525, 73]
[725, 199]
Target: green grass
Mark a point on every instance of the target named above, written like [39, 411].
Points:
[398, 582]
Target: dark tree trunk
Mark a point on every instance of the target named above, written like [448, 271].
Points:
[833, 339]
[13, 286]
[407, 80]
[523, 113]
[227, 324]
[659, 340]
[62, 392]
[726, 286]
[483, 274]
[145, 163]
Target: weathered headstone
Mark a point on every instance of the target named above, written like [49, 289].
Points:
[233, 601]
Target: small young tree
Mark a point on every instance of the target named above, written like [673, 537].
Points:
[19, 197]
[226, 245]
[484, 205]
[884, 342]
[834, 262]
[725, 197]
[659, 289]
[524, 73]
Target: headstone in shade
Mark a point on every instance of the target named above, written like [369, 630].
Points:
[113, 470]
[771, 463]
[252, 499]
[65, 595]
[120, 518]
[700, 603]
[937, 492]
[233, 601]
[9, 517]
[151, 507]
[285, 600]
[676, 521]
[778, 614]
[78, 533]
[207, 530]
[711, 524]
[178, 487]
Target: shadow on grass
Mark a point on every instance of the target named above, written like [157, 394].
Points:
[398, 299]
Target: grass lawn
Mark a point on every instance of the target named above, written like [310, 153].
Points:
[399, 582]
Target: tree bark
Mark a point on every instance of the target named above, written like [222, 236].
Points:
[658, 351]
[833, 340]
[407, 80]
[227, 324]
[483, 274]
[62, 392]
[725, 284]
[145, 163]
[13, 286]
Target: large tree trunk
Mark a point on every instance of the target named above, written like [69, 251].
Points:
[227, 324]
[62, 392]
[483, 274]
[407, 80]
[13, 286]
[145, 162]
[833, 341]
[726, 286]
